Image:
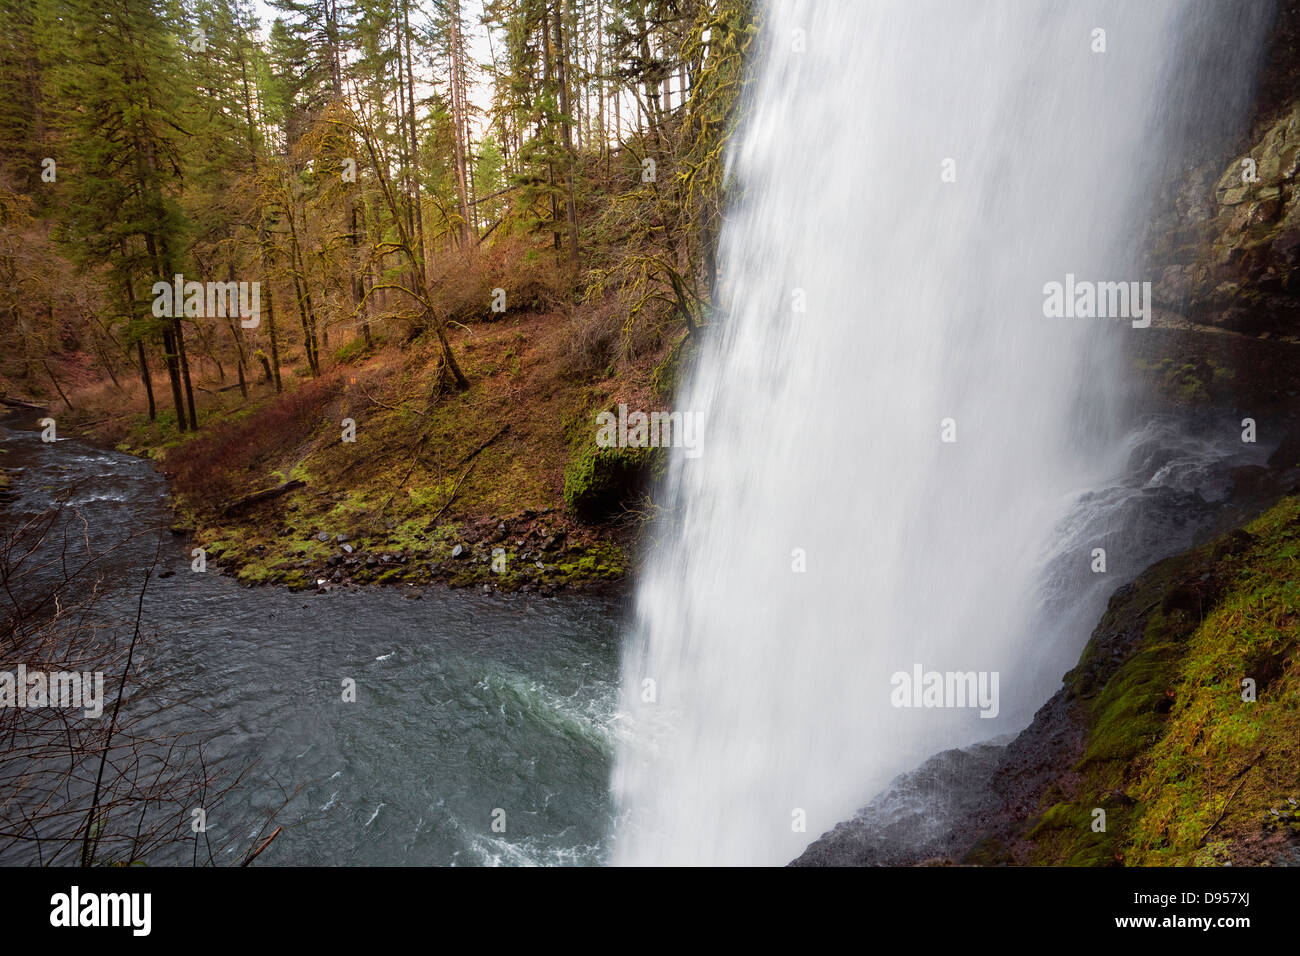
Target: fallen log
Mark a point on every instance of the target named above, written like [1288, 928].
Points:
[20, 403]
[218, 391]
[266, 494]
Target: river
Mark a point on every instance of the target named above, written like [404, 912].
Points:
[466, 703]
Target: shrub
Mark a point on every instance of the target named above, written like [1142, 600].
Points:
[227, 458]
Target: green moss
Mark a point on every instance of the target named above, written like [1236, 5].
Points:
[599, 481]
[1189, 772]
[1128, 717]
[988, 852]
[667, 376]
[352, 351]
[1066, 834]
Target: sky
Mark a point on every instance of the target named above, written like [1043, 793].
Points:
[480, 49]
[480, 92]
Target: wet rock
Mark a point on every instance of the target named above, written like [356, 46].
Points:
[322, 537]
[1250, 482]
[457, 551]
[1233, 543]
[1287, 455]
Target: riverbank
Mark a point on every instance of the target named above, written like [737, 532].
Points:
[373, 474]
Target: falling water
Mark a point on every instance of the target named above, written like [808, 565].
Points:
[909, 177]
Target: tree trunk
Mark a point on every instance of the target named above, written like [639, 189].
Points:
[169, 344]
[174, 373]
[146, 378]
[602, 140]
[570, 206]
[185, 371]
[415, 150]
[460, 121]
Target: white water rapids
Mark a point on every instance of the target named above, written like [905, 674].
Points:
[771, 693]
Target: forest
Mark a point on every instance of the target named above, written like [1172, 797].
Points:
[650, 432]
[386, 178]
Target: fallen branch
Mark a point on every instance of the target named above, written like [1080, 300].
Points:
[217, 391]
[20, 403]
[264, 495]
[265, 843]
[469, 463]
[401, 484]
[1241, 774]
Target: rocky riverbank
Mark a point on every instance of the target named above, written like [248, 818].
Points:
[370, 474]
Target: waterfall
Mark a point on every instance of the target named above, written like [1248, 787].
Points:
[896, 432]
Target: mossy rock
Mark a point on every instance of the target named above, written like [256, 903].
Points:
[1190, 770]
[668, 375]
[600, 482]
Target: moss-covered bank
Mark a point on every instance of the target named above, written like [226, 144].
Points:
[1174, 741]
[372, 473]
[1192, 739]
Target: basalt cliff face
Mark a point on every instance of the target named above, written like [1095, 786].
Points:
[1173, 741]
[1222, 250]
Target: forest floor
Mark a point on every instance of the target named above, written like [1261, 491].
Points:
[465, 488]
